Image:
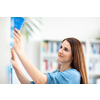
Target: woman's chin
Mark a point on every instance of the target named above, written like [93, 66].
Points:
[58, 59]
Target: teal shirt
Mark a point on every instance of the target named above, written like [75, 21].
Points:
[70, 76]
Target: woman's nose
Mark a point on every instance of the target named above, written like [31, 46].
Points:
[60, 50]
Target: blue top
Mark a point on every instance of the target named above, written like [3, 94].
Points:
[70, 76]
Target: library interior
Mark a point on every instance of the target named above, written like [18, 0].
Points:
[41, 39]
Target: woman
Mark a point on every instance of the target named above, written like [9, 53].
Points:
[71, 56]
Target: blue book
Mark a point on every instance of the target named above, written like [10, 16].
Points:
[18, 22]
[51, 47]
[58, 46]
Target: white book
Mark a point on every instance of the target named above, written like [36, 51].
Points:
[49, 47]
[43, 65]
[54, 64]
[54, 47]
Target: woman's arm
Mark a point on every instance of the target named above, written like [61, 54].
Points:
[35, 74]
[22, 78]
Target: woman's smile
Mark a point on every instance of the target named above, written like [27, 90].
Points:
[60, 55]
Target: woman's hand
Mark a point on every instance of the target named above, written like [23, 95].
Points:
[22, 78]
[17, 40]
[14, 59]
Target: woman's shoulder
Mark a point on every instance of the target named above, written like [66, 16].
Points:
[71, 75]
[57, 70]
[69, 72]
[72, 72]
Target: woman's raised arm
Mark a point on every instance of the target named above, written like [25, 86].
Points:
[35, 74]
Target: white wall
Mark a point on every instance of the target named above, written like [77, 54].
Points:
[62, 27]
[4, 48]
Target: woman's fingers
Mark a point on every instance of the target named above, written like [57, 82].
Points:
[17, 31]
[17, 40]
[13, 54]
[17, 36]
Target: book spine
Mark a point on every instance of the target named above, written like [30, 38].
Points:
[51, 47]
[58, 46]
[43, 47]
[46, 47]
[46, 61]
[49, 65]
[54, 47]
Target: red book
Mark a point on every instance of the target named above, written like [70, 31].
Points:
[46, 64]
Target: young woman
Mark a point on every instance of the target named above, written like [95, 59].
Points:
[72, 70]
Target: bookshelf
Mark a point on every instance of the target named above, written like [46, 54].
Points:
[48, 55]
[94, 61]
[49, 52]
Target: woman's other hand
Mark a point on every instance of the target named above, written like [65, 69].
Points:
[14, 59]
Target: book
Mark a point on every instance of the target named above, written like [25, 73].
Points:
[18, 22]
[9, 74]
[12, 32]
[54, 47]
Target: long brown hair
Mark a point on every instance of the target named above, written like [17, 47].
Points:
[78, 61]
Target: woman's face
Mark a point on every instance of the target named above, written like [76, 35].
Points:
[64, 53]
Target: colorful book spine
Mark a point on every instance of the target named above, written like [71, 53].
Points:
[43, 47]
[49, 65]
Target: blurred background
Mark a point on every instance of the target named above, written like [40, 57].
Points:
[41, 40]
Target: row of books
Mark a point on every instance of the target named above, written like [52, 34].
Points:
[95, 48]
[49, 65]
[94, 65]
[53, 47]
[50, 47]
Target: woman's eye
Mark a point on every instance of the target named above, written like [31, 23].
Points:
[66, 49]
[60, 46]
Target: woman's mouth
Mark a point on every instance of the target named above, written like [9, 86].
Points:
[60, 55]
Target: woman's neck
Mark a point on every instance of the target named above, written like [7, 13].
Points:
[64, 67]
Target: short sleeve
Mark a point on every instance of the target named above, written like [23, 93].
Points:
[57, 78]
[70, 76]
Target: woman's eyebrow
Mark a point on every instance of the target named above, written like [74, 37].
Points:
[67, 48]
